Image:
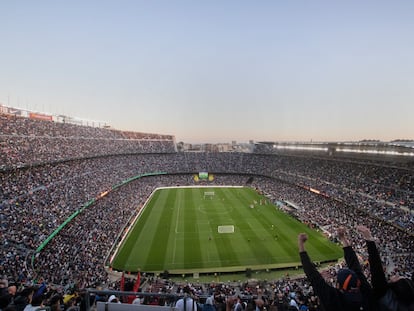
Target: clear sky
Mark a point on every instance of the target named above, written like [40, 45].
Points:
[216, 70]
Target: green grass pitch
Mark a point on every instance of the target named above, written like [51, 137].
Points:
[181, 231]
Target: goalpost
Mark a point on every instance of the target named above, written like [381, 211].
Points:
[225, 229]
[209, 194]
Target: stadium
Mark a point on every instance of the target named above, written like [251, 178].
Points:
[96, 208]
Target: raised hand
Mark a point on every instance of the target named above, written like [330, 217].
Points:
[365, 232]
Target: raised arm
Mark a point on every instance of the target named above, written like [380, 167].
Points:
[326, 293]
[378, 279]
[342, 237]
[352, 261]
[349, 254]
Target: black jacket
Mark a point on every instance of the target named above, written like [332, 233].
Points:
[383, 291]
[333, 299]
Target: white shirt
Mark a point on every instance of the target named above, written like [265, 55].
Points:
[190, 304]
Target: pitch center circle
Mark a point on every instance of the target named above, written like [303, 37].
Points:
[216, 209]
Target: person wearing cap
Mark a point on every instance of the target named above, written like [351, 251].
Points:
[395, 294]
[353, 291]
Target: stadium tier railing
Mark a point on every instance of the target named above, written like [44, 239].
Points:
[110, 306]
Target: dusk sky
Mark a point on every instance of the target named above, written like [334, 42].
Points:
[216, 71]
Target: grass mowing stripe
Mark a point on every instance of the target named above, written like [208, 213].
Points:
[128, 246]
[214, 248]
[203, 228]
[146, 237]
[255, 249]
[161, 224]
[178, 231]
[321, 251]
[177, 239]
[220, 216]
[277, 235]
[192, 240]
[176, 254]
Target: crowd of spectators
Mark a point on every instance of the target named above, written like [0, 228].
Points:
[75, 164]
[28, 142]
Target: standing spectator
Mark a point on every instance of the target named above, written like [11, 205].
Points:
[187, 303]
[280, 301]
[9, 297]
[260, 304]
[293, 305]
[238, 304]
[349, 296]
[395, 295]
[35, 302]
[3, 287]
[209, 305]
[22, 299]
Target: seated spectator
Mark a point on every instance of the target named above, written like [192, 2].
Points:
[113, 299]
[136, 301]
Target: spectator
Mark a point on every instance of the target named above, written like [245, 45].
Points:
[209, 304]
[187, 303]
[56, 302]
[281, 301]
[398, 292]
[35, 302]
[260, 304]
[293, 305]
[22, 298]
[113, 299]
[8, 296]
[348, 296]
[49, 170]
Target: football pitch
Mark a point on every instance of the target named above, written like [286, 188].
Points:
[220, 229]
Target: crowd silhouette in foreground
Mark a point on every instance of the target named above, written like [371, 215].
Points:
[49, 171]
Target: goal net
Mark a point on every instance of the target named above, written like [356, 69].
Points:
[225, 229]
[209, 194]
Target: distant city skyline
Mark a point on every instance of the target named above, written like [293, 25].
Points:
[216, 71]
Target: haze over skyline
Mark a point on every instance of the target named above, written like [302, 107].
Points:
[216, 71]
